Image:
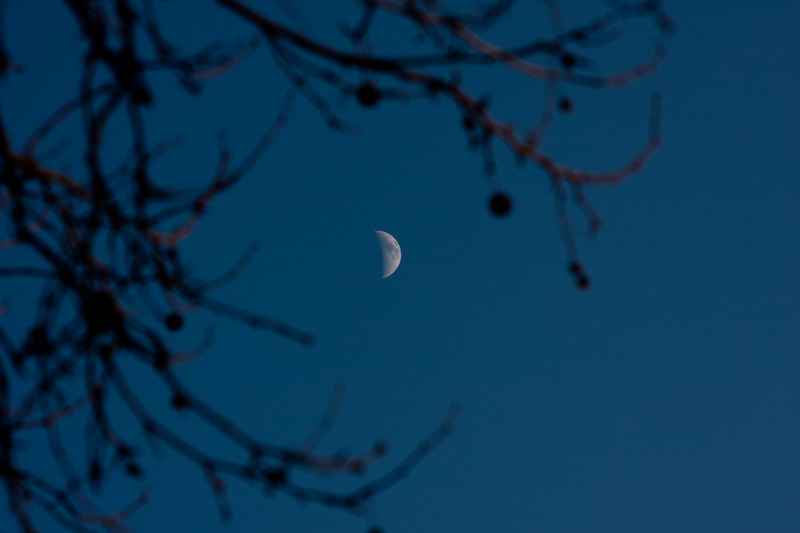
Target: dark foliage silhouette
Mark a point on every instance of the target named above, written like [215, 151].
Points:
[98, 247]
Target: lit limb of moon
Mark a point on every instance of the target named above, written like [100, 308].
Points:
[390, 252]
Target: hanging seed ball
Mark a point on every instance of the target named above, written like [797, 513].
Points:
[133, 470]
[468, 123]
[277, 477]
[174, 322]
[368, 94]
[565, 105]
[180, 401]
[500, 204]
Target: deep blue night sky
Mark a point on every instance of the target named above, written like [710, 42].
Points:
[664, 399]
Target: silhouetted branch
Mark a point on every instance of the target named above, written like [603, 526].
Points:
[107, 236]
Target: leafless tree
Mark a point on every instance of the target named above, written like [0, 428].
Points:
[99, 249]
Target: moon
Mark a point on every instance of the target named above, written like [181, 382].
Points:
[390, 252]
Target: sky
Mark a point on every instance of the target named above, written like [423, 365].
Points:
[663, 399]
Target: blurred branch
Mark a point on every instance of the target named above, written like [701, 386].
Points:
[107, 236]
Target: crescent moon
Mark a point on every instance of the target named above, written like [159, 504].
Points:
[390, 253]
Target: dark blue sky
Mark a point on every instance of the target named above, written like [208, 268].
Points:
[664, 399]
